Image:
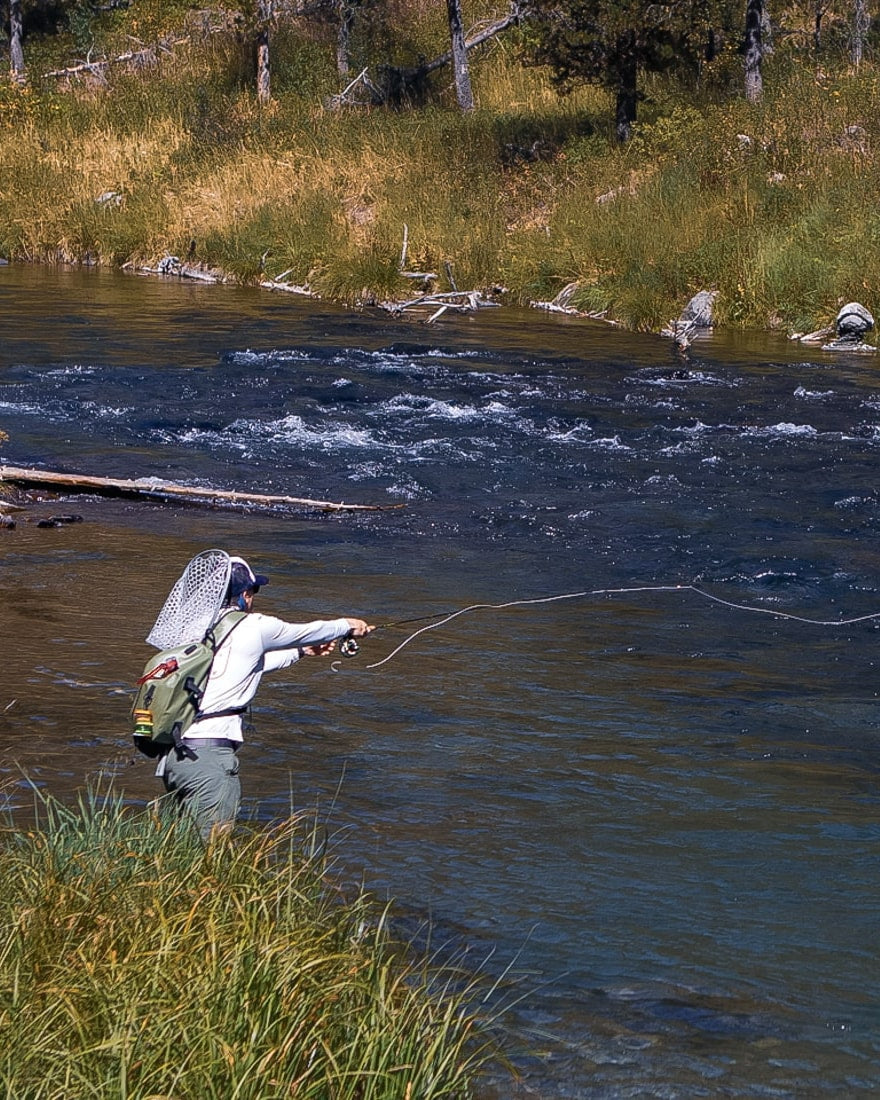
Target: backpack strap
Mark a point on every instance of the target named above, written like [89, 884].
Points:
[233, 617]
[211, 639]
[180, 746]
[220, 713]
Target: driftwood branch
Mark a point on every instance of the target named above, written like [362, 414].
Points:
[426, 276]
[289, 288]
[279, 282]
[561, 304]
[590, 315]
[816, 337]
[173, 266]
[144, 58]
[460, 301]
[403, 249]
[350, 94]
[153, 488]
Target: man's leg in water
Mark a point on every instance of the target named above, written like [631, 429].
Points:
[208, 788]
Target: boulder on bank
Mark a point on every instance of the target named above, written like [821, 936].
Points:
[698, 313]
[697, 316]
[852, 324]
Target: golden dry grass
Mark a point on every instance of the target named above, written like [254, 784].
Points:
[773, 205]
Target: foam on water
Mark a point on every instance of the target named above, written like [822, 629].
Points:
[292, 430]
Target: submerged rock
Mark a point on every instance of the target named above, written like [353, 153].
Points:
[58, 521]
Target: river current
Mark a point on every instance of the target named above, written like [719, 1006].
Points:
[657, 814]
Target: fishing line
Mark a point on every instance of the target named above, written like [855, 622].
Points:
[448, 617]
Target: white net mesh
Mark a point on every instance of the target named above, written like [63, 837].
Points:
[195, 601]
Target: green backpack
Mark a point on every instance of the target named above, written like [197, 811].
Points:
[171, 689]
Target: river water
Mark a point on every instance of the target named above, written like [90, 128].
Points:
[658, 812]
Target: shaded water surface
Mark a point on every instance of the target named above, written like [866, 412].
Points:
[661, 812]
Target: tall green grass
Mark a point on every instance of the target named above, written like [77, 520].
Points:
[136, 964]
[774, 205]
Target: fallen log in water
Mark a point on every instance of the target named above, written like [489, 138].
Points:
[154, 488]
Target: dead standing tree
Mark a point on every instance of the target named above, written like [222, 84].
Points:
[345, 11]
[754, 50]
[16, 53]
[463, 91]
[396, 84]
[861, 26]
[261, 41]
[253, 21]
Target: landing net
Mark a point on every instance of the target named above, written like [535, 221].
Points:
[195, 601]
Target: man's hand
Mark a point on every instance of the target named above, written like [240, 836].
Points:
[359, 628]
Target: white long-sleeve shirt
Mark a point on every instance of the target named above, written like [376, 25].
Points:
[257, 644]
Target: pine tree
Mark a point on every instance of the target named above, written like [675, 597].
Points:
[612, 42]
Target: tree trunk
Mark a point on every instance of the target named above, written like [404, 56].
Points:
[264, 75]
[627, 86]
[16, 53]
[753, 50]
[766, 32]
[345, 9]
[861, 23]
[463, 92]
[264, 78]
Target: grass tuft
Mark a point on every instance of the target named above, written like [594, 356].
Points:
[135, 964]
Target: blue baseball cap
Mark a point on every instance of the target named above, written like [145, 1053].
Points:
[243, 578]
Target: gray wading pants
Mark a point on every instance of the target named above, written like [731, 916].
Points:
[208, 789]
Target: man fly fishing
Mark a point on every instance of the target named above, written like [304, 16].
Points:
[214, 599]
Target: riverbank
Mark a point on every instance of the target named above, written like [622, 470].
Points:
[772, 205]
[140, 964]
